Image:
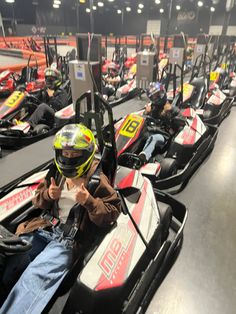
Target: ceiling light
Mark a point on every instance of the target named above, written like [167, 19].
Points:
[128, 9]
[178, 7]
[161, 10]
[141, 6]
[200, 3]
[10, 1]
[110, 0]
[100, 4]
[87, 10]
[212, 9]
[94, 7]
[82, 1]
[139, 11]
[56, 6]
[119, 11]
[157, 1]
[57, 1]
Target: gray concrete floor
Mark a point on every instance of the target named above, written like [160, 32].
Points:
[203, 279]
[6, 60]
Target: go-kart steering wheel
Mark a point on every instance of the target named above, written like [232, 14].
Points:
[130, 160]
[10, 243]
[150, 120]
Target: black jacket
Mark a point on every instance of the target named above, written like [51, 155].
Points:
[59, 100]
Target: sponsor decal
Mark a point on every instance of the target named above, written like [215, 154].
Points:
[116, 260]
[116, 250]
[17, 199]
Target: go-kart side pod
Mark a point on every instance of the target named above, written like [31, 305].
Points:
[177, 182]
[214, 114]
[123, 272]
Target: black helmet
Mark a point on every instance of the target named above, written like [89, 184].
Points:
[53, 78]
[157, 94]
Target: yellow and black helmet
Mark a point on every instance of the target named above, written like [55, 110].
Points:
[53, 78]
[76, 137]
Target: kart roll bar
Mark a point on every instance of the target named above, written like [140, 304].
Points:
[48, 52]
[96, 115]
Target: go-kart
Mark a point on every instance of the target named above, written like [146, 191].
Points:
[172, 165]
[124, 90]
[31, 79]
[20, 105]
[121, 271]
[204, 96]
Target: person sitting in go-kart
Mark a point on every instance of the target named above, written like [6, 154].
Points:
[56, 98]
[163, 113]
[73, 218]
[112, 79]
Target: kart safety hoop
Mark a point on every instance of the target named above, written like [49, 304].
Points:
[96, 114]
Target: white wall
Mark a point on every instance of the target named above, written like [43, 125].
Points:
[231, 31]
[215, 29]
[153, 26]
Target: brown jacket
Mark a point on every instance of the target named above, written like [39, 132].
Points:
[101, 209]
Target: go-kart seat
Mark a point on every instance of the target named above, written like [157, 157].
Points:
[197, 99]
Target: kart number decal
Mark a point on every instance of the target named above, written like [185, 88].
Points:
[131, 127]
[214, 76]
[187, 90]
[14, 99]
[223, 66]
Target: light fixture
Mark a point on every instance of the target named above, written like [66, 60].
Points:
[81, 1]
[57, 1]
[100, 4]
[178, 7]
[157, 1]
[128, 9]
[110, 0]
[94, 7]
[10, 1]
[141, 6]
[87, 10]
[161, 10]
[119, 11]
[56, 6]
[212, 9]
[139, 11]
[200, 4]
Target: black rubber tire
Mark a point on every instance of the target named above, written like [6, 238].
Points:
[168, 168]
[0, 152]
[41, 129]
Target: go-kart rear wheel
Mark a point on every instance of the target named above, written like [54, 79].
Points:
[0, 152]
[168, 168]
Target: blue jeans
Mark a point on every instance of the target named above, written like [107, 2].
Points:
[42, 277]
[152, 142]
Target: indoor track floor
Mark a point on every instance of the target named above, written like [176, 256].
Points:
[5, 60]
